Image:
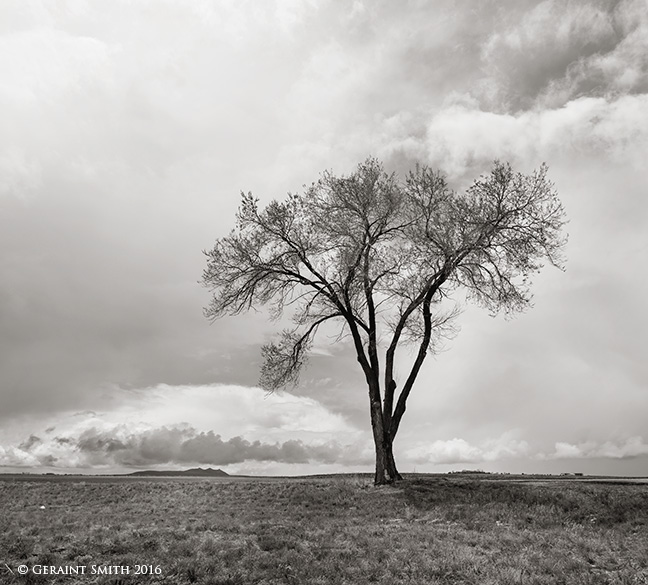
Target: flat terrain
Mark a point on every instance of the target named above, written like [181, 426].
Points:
[337, 530]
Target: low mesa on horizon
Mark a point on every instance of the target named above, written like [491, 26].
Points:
[194, 472]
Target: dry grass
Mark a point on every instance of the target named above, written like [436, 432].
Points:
[328, 530]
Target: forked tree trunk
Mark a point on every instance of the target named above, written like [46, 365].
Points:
[386, 471]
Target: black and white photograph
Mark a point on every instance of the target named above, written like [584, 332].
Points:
[314, 292]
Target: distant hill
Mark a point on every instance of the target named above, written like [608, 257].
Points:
[196, 472]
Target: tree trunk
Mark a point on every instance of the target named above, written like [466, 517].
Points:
[386, 471]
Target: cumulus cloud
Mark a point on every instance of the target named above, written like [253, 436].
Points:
[461, 138]
[234, 410]
[557, 51]
[459, 450]
[185, 445]
[180, 445]
[627, 449]
[561, 80]
[142, 427]
[506, 448]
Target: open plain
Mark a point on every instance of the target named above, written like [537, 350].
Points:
[480, 529]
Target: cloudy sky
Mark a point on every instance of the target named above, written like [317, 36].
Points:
[127, 131]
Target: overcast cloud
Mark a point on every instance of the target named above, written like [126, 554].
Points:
[128, 130]
[119, 446]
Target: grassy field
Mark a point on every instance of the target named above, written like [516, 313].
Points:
[448, 529]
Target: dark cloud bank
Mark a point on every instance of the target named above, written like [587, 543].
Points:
[175, 445]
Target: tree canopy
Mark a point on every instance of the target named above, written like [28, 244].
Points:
[379, 255]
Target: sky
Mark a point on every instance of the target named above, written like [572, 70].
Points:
[128, 130]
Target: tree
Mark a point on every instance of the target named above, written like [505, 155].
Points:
[380, 256]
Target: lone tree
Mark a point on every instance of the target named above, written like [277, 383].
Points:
[380, 255]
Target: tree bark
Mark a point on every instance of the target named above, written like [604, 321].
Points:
[391, 464]
[386, 471]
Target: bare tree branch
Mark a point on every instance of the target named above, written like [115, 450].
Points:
[382, 255]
